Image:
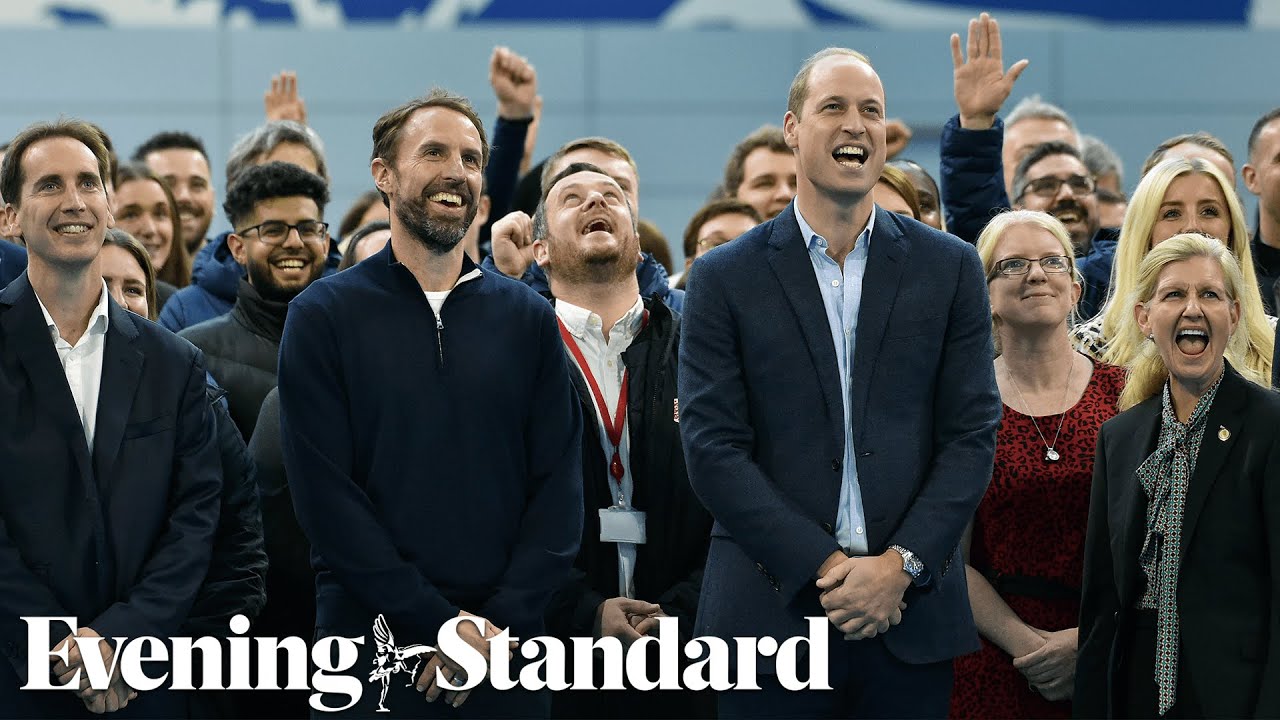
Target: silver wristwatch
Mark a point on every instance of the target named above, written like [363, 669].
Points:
[910, 563]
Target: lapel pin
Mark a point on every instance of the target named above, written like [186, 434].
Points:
[1223, 433]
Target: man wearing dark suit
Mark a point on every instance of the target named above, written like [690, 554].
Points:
[110, 485]
[839, 410]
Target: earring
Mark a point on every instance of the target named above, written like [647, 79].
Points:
[1152, 337]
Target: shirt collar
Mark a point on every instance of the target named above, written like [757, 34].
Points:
[813, 239]
[581, 320]
[97, 322]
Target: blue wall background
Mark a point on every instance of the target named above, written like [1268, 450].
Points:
[678, 98]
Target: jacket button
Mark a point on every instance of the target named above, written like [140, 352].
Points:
[835, 465]
[826, 527]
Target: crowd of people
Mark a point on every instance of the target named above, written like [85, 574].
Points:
[1010, 431]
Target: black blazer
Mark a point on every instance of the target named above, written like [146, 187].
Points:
[762, 420]
[118, 536]
[1229, 583]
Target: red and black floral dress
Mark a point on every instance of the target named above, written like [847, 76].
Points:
[1028, 540]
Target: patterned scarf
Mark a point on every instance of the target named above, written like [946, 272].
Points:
[1165, 476]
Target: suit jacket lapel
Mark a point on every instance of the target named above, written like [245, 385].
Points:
[121, 371]
[27, 333]
[885, 263]
[1226, 412]
[1131, 522]
[789, 258]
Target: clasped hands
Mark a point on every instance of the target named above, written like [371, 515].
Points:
[1051, 668]
[116, 696]
[450, 669]
[862, 596]
[627, 620]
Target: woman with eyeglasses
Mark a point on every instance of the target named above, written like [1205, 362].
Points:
[1024, 548]
[1179, 195]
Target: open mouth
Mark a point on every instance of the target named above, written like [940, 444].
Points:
[850, 155]
[1192, 341]
[1069, 216]
[600, 225]
[289, 264]
[447, 199]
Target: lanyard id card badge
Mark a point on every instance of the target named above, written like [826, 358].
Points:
[621, 525]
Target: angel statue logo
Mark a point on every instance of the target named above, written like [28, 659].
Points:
[389, 659]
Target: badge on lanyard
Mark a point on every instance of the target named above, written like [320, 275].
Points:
[621, 525]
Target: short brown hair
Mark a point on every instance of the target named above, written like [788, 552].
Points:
[765, 136]
[1199, 137]
[386, 131]
[710, 211]
[654, 242]
[594, 142]
[130, 244]
[11, 177]
[800, 85]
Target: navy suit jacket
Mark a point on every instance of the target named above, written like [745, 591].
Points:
[118, 535]
[13, 260]
[762, 424]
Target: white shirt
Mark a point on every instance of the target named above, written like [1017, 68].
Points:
[604, 358]
[82, 362]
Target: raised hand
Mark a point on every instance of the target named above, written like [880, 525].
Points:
[897, 136]
[282, 101]
[514, 83]
[512, 238]
[981, 82]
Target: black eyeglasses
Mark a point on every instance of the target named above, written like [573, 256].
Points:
[1048, 186]
[275, 232]
[1022, 266]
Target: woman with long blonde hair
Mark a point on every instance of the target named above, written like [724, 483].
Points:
[1179, 195]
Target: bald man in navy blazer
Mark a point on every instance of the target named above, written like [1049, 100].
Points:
[838, 412]
[110, 478]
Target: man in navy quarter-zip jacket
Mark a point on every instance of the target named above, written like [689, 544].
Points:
[431, 431]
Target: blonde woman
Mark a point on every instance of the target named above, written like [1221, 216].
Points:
[1024, 548]
[1179, 195]
[1181, 593]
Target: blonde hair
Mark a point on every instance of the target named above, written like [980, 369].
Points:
[1135, 244]
[1147, 371]
[994, 232]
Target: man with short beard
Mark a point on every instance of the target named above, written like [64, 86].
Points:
[430, 433]
[280, 237]
[625, 350]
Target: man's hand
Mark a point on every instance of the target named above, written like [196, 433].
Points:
[451, 670]
[647, 624]
[862, 596]
[512, 238]
[613, 618]
[897, 136]
[514, 83]
[1051, 669]
[115, 697]
[282, 101]
[981, 83]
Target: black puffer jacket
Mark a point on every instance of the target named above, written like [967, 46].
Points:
[241, 350]
[237, 578]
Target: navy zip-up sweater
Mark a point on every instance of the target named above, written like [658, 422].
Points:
[435, 463]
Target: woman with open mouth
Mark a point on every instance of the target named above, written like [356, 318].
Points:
[1179, 195]
[1181, 596]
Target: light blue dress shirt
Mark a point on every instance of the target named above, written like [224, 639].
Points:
[842, 296]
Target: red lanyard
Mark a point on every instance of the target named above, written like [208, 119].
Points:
[613, 427]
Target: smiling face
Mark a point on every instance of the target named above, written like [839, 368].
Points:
[591, 235]
[63, 214]
[187, 173]
[142, 210]
[280, 272]
[126, 281]
[768, 181]
[1191, 319]
[1037, 299]
[435, 182]
[1193, 203]
[1077, 210]
[839, 135]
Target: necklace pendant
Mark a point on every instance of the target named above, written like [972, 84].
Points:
[1051, 455]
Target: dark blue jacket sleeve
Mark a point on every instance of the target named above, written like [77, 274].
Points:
[173, 315]
[971, 178]
[551, 528]
[158, 603]
[503, 171]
